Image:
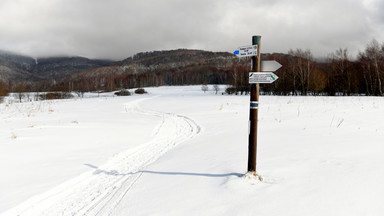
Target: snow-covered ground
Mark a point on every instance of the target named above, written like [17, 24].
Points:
[179, 151]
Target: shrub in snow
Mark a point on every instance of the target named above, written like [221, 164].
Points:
[55, 95]
[123, 92]
[230, 90]
[140, 91]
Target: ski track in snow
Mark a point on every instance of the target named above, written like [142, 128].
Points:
[99, 192]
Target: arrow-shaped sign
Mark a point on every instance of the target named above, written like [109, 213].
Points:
[245, 51]
[262, 77]
[269, 66]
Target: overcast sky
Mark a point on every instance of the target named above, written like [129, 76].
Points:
[117, 29]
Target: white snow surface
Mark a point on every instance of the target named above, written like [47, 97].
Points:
[180, 151]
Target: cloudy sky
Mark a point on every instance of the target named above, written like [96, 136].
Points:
[117, 29]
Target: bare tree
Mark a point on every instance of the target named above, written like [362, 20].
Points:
[372, 62]
[3, 89]
[204, 88]
[20, 90]
[342, 72]
[216, 88]
[302, 67]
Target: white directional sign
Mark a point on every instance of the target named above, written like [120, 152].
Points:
[269, 66]
[262, 77]
[246, 51]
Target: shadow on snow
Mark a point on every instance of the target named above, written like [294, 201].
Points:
[116, 173]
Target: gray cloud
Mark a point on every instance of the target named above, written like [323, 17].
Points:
[119, 28]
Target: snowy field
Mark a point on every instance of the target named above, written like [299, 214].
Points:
[180, 151]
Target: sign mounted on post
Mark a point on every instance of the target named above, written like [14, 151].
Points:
[269, 66]
[262, 77]
[246, 51]
[262, 72]
[266, 75]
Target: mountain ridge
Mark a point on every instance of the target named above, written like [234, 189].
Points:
[21, 68]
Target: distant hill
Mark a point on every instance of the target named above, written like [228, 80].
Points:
[172, 67]
[59, 67]
[158, 61]
[15, 67]
[19, 68]
[299, 74]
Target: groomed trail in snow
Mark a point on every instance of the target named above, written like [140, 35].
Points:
[98, 192]
[317, 155]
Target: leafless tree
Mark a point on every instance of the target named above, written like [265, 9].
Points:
[3, 89]
[341, 65]
[301, 68]
[204, 88]
[216, 88]
[20, 90]
[372, 63]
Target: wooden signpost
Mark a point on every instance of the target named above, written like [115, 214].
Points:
[262, 72]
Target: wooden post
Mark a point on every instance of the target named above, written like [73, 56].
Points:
[253, 111]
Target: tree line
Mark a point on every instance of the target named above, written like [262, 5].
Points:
[338, 75]
[299, 75]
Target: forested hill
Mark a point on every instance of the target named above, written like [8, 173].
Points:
[174, 67]
[15, 67]
[299, 75]
[172, 60]
[19, 68]
[183, 56]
